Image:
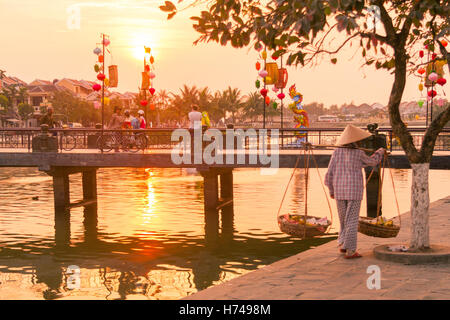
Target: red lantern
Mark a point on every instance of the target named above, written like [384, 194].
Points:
[152, 60]
[101, 76]
[444, 43]
[433, 56]
[263, 92]
[152, 106]
[152, 91]
[267, 100]
[421, 53]
[147, 68]
[432, 93]
[281, 95]
[144, 103]
[421, 70]
[258, 66]
[100, 58]
[274, 57]
[96, 87]
[441, 81]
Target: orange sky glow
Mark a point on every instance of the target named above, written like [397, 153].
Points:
[36, 42]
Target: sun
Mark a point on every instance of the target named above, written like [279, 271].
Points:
[138, 44]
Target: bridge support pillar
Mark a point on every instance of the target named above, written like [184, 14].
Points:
[210, 190]
[89, 179]
[61, 191]
[226, 184]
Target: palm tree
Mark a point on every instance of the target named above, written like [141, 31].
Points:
[253, 105]
[232, 101]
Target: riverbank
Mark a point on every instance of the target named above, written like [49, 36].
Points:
[323, 273]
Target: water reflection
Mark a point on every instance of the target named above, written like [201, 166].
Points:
[148, 237]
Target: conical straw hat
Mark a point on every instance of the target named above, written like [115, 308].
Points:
[352, 134]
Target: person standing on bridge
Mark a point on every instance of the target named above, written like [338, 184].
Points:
[195, 118]
[344, 180]
[116, 123]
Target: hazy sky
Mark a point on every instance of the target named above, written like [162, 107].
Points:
[36, 42]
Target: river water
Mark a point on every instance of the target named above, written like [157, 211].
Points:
[148, 237]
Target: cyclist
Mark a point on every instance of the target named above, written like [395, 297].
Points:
[142, 122]
[126, 124]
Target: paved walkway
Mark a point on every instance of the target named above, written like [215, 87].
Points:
[322, 273]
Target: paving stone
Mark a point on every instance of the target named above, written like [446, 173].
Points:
[322, 273]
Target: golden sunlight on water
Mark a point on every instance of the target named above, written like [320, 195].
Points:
[148, 237]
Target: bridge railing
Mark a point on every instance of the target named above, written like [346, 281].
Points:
[160, 138]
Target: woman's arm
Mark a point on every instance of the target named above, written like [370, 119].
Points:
[374, 159]
[329, 175]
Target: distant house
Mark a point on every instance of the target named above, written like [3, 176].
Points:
[39, 94]
[80, 88]
[8, 81]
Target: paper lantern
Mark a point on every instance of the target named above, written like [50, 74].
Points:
[144, 103]
[263, 73]
[96, 68]
[433, 56]
[152, 91]
[417, 117]
[106, 82]
[421, 53]
[258, 66]
[264, 55]
[145, 81]
[101, 76]
[282, 78]
[113, 76]
[421, 87]
[106, 42]
[152, 106]
[272, 73]
[152, 60]
[444, 43]
[263, 92]
[421, 70]
[432, 93]
[96, 87]
[267, 99]
[101, 58]
[257, 84]
[281, 95]
[274, 57]
[97, 51]
[147, 68]
[152, 75]
[441, 81]
[107, 100]
[433, 76]
[274, 105]
[420, 103]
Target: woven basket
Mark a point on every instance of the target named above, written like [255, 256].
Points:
[378, 231]
[295, 229]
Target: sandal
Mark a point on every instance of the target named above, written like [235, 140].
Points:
[353, 256]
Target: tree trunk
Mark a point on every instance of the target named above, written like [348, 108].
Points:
[420, 201]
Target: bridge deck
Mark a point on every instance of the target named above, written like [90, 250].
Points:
[162, 159]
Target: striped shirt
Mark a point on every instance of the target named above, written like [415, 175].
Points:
[344, 177]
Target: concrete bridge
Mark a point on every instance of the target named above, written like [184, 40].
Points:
[217, 176]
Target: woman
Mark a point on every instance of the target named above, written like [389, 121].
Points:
[344, 179]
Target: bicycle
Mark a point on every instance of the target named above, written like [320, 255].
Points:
[68, 141]
[132, 142]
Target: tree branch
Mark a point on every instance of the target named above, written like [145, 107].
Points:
[391, 35]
